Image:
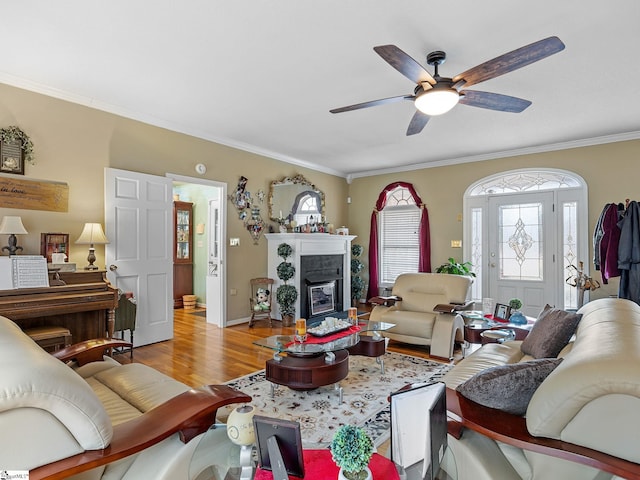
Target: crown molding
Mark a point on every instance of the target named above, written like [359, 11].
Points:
[585, 142]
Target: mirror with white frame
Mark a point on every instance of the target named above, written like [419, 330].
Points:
[295, 198]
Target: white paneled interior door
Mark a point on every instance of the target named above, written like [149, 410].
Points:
[138, 222]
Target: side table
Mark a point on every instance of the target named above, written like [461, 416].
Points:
[475, 324]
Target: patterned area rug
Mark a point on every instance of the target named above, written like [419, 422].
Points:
[365, 397]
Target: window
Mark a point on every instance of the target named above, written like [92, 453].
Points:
[305, 208]
[399, 236]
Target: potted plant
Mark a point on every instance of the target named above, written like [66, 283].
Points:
[453, 267]
[351, 449]
[286, 295]
[357, 284]
[516, 315]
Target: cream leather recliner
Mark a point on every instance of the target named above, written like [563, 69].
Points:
[589, 403]
[101, 419]
[414, 317]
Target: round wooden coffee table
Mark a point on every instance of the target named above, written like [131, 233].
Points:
[308, 372]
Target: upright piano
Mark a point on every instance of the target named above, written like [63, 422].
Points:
[85, 304]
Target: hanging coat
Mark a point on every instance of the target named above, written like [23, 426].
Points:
[629, 253]
[609, 244]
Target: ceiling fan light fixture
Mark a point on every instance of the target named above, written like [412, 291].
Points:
[437, 101]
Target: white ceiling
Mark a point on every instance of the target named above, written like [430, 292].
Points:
[261, 75]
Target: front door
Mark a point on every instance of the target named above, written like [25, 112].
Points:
[138, 221]
[521, 250]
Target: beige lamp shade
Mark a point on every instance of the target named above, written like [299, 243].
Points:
[12, 225]
[92, 234]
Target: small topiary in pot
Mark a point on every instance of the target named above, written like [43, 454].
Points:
[351, 449]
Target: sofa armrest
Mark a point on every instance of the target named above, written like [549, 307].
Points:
[189, 413]
[89, 350]
[512, 430]
[386, 301]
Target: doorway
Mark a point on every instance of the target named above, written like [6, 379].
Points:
[209, 275]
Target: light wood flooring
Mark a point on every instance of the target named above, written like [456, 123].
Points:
[201, 353]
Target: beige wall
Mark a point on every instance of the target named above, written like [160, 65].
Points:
[74, 144]
[610, 171]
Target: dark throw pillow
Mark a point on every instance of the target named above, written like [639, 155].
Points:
[508, 387]
[551, 332]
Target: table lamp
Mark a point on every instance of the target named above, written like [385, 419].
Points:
[12, 226]
[240, 431]
[91, 235]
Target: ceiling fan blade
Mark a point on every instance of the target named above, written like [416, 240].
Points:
[511, 61]
[493, 101]
[372, 103]
[417, 123]
[404, 64]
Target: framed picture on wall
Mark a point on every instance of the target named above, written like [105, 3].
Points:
[11, 158]
[502, 312]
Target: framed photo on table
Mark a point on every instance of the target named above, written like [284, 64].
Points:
[51, 243]
[502, 312]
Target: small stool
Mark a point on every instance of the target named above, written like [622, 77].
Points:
[50, 338]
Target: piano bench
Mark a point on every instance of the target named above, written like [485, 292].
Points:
[50, 338]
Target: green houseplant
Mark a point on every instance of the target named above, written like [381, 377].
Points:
[517, 316]
[357, 283]
[453, 267]
[286, 295]
[351, 449]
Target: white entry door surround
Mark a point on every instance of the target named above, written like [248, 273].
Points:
[307, 244]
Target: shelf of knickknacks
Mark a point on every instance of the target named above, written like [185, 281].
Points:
[311, 228]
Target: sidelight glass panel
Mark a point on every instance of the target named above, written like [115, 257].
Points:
[569, 248]
[476, 252]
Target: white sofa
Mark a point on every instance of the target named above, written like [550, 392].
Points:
[586, 411]
[99, 419]
[413, 315]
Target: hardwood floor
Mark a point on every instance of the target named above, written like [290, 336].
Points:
[201, 353]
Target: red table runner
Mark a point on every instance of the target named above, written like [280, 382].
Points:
[330, 338]
[318, 465]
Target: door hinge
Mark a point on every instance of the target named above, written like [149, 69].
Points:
[553, 207]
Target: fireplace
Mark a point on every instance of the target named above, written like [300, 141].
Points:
[321, 275]
[322, 264]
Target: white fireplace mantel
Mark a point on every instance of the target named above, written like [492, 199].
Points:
[309, 244]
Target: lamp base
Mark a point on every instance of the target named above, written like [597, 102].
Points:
[13, 245]
[91, 258]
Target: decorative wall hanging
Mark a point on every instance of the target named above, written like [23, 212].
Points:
[34, 194]
[255, 225]
[241, 199]
[15, 148]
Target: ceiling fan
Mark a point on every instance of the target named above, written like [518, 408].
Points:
[435, 95]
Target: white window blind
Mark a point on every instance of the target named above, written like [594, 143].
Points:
[399, 242]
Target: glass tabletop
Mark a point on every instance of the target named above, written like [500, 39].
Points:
[369, 326]
[288, 343]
